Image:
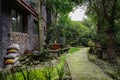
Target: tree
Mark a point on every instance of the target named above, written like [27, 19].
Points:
[108, 11]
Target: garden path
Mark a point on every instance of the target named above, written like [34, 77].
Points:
[82, 69]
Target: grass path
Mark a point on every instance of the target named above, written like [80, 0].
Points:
[82, 69]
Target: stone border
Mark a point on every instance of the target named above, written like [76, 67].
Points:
[71, 70]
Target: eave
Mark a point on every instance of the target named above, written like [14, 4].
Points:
[26, 7]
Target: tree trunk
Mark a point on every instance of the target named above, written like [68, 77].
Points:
[98, 45]
[111, 51]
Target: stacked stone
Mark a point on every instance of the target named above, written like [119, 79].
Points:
[12, 57]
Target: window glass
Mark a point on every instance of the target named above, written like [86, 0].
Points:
[20, 22]
[14, 20]
[17, 21]
[36, 29]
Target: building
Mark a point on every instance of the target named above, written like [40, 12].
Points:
[19, 24]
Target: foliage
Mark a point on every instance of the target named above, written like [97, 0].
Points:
[2, 75]
[28, 74]
[22, 74]
[48, 72]
[31, 73]
[92, 57]
[118, 39]
[61, 6]
[91, 43]
[105, 15]
[113, 70]
[73, 32]
[44, 55]
[60, 72]
[73, 49]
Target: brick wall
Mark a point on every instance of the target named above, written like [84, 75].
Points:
[33, 39]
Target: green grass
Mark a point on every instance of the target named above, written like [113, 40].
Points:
[73, 49]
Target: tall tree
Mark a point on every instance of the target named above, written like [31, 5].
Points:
[108, 10]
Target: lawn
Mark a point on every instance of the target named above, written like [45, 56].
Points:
[73, 49]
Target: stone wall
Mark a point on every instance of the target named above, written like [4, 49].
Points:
[33, 37]
[26, 41]
[0, 33]
[22, 39]
[35, 41]
[30, 30]
[5, 29]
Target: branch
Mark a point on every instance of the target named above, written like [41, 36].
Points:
[105, 14]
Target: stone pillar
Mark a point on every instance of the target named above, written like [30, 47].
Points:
[30, 30]
[43, 22]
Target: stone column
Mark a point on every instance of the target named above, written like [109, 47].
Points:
[30, 30]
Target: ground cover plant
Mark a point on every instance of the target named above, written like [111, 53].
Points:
[113, 70]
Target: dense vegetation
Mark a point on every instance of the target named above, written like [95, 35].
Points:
[74, 33]
[100, 30]
[102, 25]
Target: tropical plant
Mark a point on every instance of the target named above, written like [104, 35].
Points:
[48, 72]
[28, 74]
[60, 72]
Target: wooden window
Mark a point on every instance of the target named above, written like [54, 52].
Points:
[36, 29]
[18, 22]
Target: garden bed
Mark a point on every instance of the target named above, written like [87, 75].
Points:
[55, 69]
